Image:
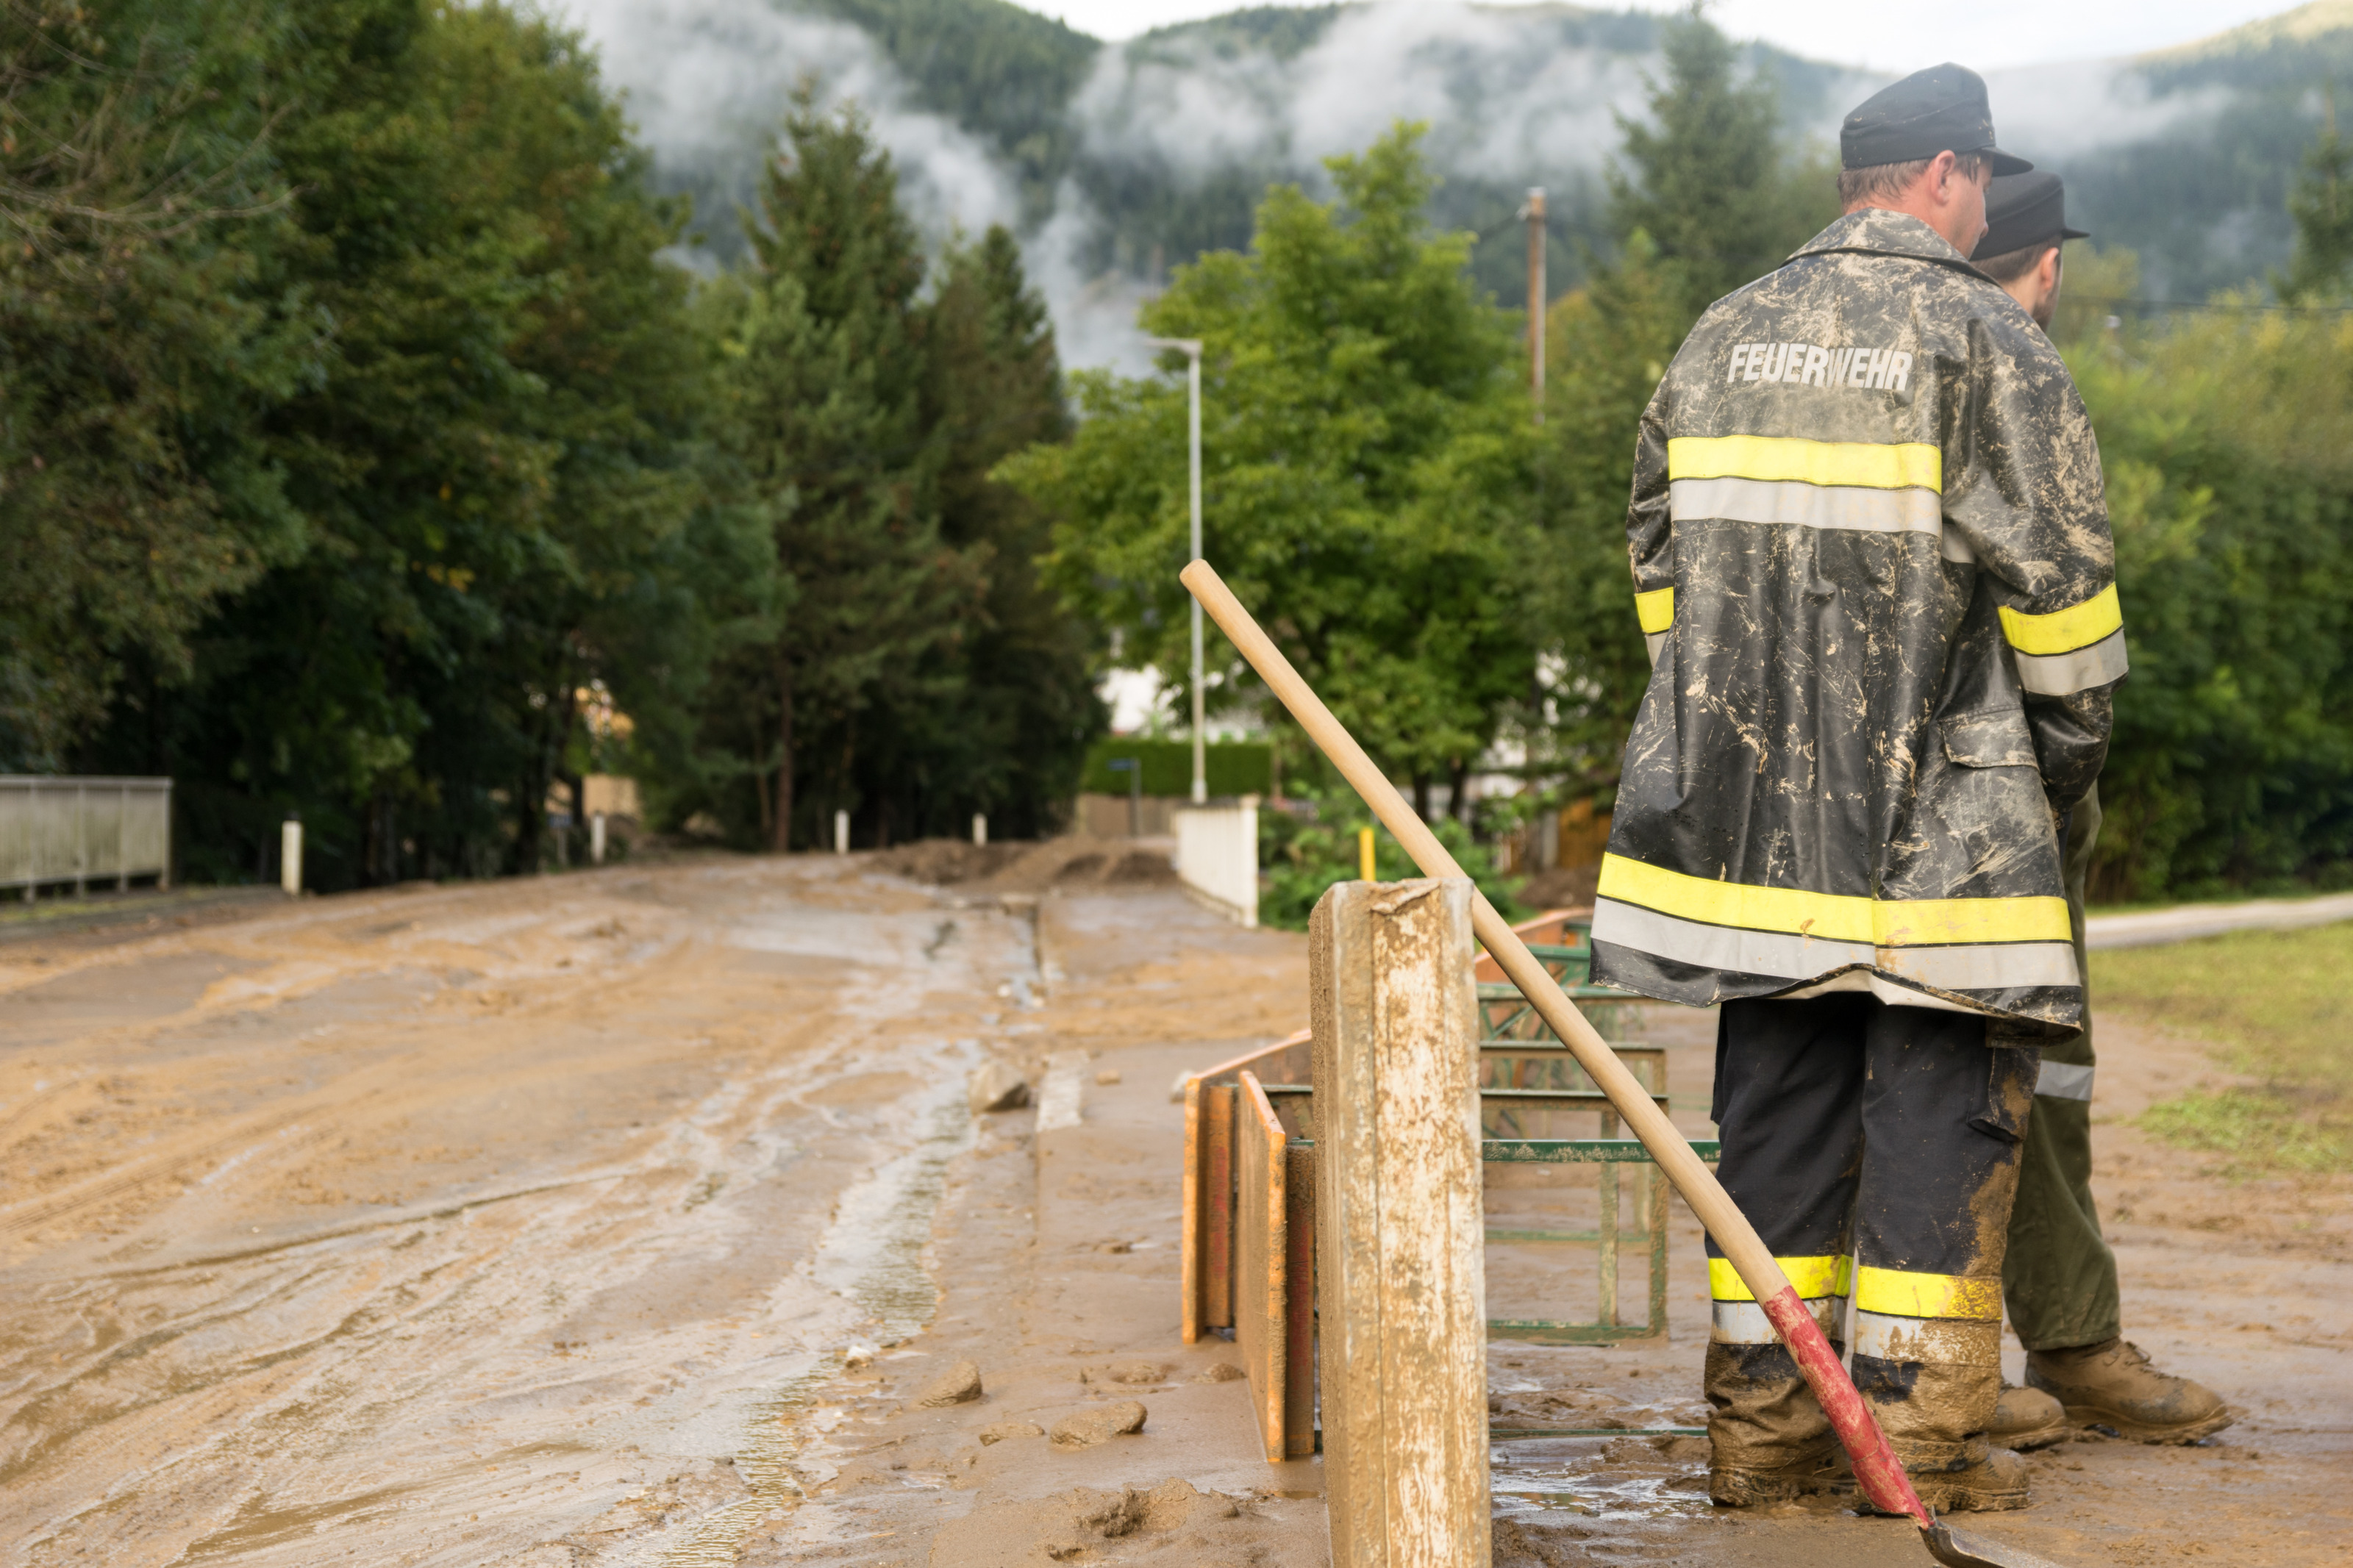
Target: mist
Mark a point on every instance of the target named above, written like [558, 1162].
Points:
[1513, 97]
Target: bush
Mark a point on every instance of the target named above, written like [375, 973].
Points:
[1305, 850]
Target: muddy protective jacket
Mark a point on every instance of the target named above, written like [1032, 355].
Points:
[1871, 558]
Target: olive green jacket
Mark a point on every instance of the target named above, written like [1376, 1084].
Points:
[1873, 561]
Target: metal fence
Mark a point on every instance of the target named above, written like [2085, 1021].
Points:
[54, 831]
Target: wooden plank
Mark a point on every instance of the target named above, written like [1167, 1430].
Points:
[1196, 1191]
[1299, 1303]
[1217, 1208]
[1400, 1258]
[1261, 1254]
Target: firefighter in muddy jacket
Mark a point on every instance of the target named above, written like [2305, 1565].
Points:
[2059, 1279]
[1872, 562]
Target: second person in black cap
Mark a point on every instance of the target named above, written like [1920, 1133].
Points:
[1873, 561]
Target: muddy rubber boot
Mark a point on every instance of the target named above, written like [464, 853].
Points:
[2114, 1386]
[1994, 1483]
[2026, 1418]
[1768, 1441]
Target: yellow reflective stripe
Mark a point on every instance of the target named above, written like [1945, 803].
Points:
[2064, 631]
[1813, 1277]
[1903, 1294]
[1655, 609]
[1872, 465]
[1835, 917]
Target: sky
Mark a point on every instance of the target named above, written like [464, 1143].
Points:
[1885, 34]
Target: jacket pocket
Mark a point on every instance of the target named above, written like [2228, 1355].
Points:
[1994, 739]
[2009, 1091]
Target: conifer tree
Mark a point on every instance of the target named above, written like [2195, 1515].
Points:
[1713, 182]
[829, 370]
[2322, 205]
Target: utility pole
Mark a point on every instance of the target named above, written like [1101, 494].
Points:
[1191, 349]
[1535, 212]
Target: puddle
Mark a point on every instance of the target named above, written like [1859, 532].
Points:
[1573, 1474]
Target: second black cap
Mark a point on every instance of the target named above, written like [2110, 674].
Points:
[1942, 109]
[2023, 210]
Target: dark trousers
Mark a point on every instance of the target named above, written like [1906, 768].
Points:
[2059, 1276]
[1888, 1135]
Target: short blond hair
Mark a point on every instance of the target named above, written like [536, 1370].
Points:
[1888, 182]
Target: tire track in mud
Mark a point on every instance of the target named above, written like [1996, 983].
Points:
[245, 1403]
[872, 1254]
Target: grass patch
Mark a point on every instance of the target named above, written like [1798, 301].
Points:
[2277, 1006]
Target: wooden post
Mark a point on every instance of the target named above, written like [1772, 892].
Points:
[1298, 1304]
[1401, 1297]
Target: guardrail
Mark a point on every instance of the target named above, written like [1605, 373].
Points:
[1217, 856]
[82, 830]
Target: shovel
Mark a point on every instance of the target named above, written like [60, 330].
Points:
[1876, 1470]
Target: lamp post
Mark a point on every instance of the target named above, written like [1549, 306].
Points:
[1191, 349]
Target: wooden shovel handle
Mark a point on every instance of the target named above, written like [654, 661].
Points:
[1876, 1468]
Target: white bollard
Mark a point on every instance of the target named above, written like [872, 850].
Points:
[596, 838]
[979, 828]
[841, 833]
[289, 856]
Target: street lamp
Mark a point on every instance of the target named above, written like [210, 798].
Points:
[1191, 349]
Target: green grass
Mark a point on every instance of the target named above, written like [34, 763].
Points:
[2279, 1008]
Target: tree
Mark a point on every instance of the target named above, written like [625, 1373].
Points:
[826, 390]
[1713, 182]
[2322, 205]
[135, 352]
[490, 461]
[1365, 468]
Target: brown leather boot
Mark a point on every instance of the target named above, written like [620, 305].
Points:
[2026, 1418]
[2113, 1384]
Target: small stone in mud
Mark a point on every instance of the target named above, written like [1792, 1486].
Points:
[998, 1085]
[855, 1355]
[1107, 1077]
[1220, 1371]
[1085, 1428]
[1116, 1247]
[960, 1386]
[998, 1431]
[1123, 1371]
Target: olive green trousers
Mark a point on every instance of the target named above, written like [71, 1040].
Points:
[2058, 1276]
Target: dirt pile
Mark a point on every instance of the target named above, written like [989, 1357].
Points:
[1033, 867]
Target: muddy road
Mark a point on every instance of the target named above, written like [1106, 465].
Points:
[625, 1217]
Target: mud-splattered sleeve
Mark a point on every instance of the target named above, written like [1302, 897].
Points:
[2023, 489]
[1650, 529]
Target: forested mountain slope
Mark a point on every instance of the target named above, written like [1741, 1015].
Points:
[1117, 162]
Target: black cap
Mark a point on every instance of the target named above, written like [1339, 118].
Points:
[1941, 109]
[2023, 210]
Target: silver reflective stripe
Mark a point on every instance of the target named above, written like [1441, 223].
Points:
[1985, 966]
[1654, 641]
[2064, 1080]
[1807, 505]
[1745, 1322]
[1954, 1341]
[2065, 674]
[1977, 966]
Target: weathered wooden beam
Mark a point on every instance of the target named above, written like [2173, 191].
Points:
[1262, 1258]
[1218, 1206]
[1401, 1230]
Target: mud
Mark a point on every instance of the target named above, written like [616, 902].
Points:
[1061, 863]
[627, 1217]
